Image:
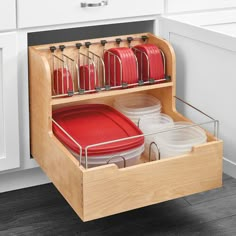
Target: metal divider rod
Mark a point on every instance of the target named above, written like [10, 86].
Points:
[194, 108]
[164, 61]
[216, 129]
[109, 71]
[99, 60]
[87, 59]
[147, 58]
[117, 157]
[107, 142]
[150, 151]
[137, 136]
[58, 65]
[69, 67]
[70, 137]
[52, 73]
[119, 140]
[58, 58]
[114, 71]
[78, 72]
[120, 62]
[62, 61]
[62, 79]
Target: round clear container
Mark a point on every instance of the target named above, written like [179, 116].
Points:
[151, 125]
[180, 139]
[137, 104]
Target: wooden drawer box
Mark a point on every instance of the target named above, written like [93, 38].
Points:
[106, 190]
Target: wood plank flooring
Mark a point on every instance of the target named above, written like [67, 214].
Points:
[42, 211]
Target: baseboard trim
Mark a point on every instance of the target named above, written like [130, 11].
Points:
[22, 179]
[229, 167]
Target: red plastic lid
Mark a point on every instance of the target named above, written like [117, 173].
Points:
[95, 123]
[88, 77]
[62, 81]
[156, 67]
[113, 66]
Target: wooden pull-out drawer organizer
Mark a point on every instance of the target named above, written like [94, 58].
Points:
[105, 190]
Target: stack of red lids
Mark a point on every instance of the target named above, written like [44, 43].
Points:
[120, 66]
[62, 81]
[88, 77]
[154, 60]
[96, 123]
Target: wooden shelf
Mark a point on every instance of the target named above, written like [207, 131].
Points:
[104, 94]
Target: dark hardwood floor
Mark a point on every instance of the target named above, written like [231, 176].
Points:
[42, 210]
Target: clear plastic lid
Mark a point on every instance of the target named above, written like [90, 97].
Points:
[137, 103]
[150, 124]
[183, 135]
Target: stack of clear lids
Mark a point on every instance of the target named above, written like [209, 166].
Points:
[151, 126]
[170, 138]
[180, 140]
[137, 106]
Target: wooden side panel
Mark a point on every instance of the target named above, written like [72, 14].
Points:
[110, 190]
[60, 166]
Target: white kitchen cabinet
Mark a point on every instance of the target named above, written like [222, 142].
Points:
[8, 15]
[9, 126]
[205, 47]
[54, 12]
[173, 6]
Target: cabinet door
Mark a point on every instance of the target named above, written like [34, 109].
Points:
[43, 13]
[173, 6]
[8, 15]
[9, 128]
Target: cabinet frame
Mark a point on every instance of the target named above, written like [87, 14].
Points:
[8, 15]
[9, 102]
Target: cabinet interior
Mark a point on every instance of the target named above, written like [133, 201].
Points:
[89, 32]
